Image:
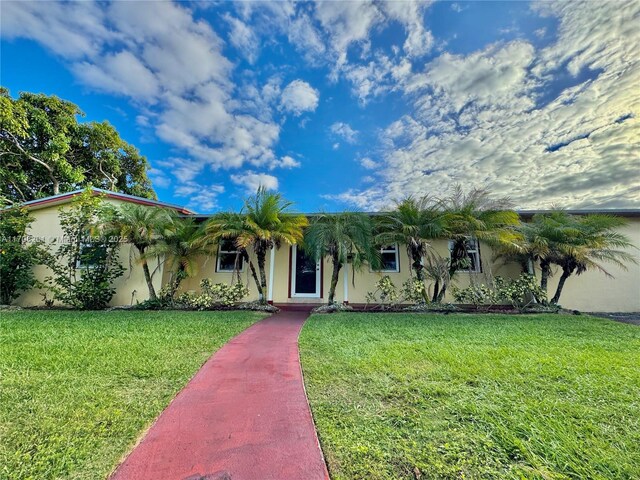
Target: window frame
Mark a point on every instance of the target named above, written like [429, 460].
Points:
[396, 250]
[471, 241]
[228, 252]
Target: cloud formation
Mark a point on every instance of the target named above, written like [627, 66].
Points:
[299, 97]
[548, 118]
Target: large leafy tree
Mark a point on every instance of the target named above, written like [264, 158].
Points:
[182, 245]
[475, 214]
[46, 151]
[341, 237]
[415, 222]
[141, 226]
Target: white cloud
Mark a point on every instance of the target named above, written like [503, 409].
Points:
[299, 97]
[243, 38]
[369, 164]
[347, 23]
[121, 73]
[251, 181]
[419, 40]
[202, 198]
[344, 131]
[285, 162]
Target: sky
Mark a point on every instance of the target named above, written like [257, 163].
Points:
[350, 104]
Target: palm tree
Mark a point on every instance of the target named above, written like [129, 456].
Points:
[478, 215]
[415, 222]
[231, 226]
[140, 226]
[576, 244]
[267, 225]
[182, 245]
[342, 237]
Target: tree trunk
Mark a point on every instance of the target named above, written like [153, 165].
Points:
[419, 268]
[334, 279]
[254, 274]
[566, 273]
[545, 270]
[436, 291]
[147, 277]
[177, 280]
[261, 254]
[443, 290]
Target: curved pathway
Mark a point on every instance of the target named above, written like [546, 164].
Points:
[244, 415]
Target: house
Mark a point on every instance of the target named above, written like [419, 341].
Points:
[295, 278]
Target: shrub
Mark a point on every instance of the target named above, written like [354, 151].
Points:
[213, 295]
[84, 266]
[387, 295]
[520, 292]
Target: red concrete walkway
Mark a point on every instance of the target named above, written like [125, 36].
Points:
[243, 416]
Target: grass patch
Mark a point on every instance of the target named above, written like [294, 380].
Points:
[78, 388]
[463, 396]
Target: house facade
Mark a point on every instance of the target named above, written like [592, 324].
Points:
[293, 277]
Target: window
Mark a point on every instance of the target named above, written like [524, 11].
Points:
[229, 258]
[473, 251]
[389, 258]
[91, 255]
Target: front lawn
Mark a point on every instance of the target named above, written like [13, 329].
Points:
[462, 396]
[78, 388]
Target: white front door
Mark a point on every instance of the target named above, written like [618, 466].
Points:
[305, 275]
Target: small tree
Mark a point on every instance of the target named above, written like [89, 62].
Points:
[268, 224]
[415, 222]
[85, 265]
[18, 255]
[341, 237]
[141, 226]
[476, 214]
[232, 226]
[181, 245]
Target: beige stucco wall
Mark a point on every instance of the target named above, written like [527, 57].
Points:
[592, 291]
[129, 287]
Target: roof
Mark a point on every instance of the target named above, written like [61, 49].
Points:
[68, 196]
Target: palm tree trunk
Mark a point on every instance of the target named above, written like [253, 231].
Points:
[436, 291]
[147, 277]
[147, 273]
[261, 254]
[334, 278]
[566, 273]
[419, 268]
[254, 274]
[545, 270]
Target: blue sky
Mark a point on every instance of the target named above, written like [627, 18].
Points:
[350, 104]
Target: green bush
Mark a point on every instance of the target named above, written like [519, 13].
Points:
[521, 292]
[18, 254]
[85, 265]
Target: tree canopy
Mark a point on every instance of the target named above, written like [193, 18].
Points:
[44, 151]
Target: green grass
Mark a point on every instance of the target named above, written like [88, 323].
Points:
[78, 388]
[464, 396]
